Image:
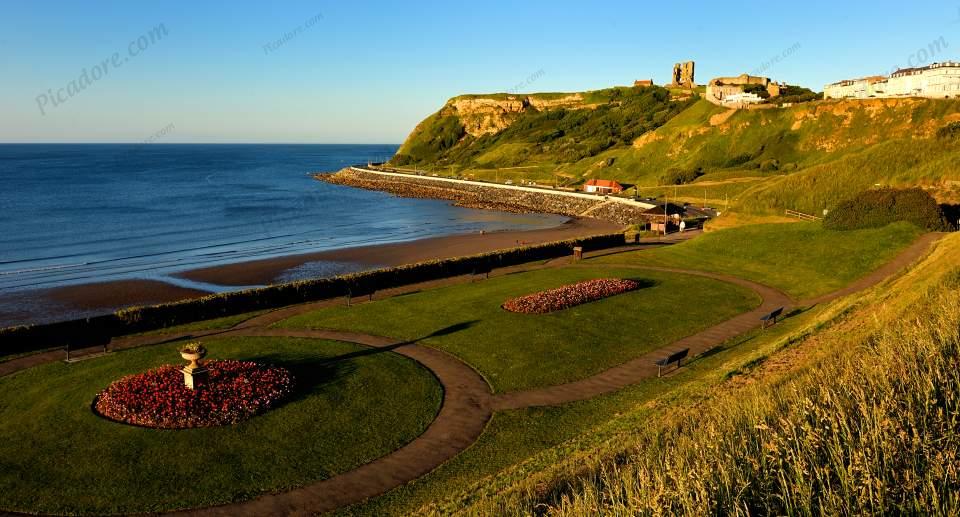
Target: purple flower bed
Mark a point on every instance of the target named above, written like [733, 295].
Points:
[568, 296]
[237, 391]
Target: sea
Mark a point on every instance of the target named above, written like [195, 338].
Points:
[77, 214]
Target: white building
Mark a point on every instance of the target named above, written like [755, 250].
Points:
[742, 98]
[937, 81]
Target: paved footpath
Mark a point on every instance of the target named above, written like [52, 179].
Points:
[468, 402]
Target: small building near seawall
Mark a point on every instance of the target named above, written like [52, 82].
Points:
[594, 186]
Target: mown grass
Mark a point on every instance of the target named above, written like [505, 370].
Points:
[533, 442]
[56, 456]
[801, 259]
[858, 419]
[521, 351]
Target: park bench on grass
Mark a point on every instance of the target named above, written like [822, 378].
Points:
[484, 270]
[771, 319]
[677, 357]
[359, 292]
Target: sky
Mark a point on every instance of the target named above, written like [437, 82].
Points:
[369, 71]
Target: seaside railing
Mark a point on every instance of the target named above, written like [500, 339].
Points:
[98, 331]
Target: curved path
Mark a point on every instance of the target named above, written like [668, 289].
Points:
[468, 403]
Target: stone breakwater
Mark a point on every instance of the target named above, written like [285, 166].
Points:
[489, 198]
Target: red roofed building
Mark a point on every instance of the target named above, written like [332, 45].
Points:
[602, 187]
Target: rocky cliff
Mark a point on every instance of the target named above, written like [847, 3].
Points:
[490, 115]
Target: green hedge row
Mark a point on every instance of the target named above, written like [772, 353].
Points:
[878, 208]
[99, 330]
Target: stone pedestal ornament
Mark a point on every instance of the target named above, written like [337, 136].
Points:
[195, 376]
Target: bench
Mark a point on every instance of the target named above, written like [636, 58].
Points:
[771, 318]
[358, 292]
[484, 270]
[677, 357]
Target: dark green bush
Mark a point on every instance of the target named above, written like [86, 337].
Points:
[676, 176]
[878, 208]
[949, 132]
[770, 165]
[737, 161]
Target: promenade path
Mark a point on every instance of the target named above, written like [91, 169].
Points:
[468, 402]
[517, 188]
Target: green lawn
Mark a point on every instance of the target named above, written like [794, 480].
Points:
[520, 443]
[517, 351]
[56, 456]
[801, 259]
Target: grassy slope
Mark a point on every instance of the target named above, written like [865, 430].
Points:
[801, 259]
[57, 456]
[517, 351]
[854, 414]
[520, 443]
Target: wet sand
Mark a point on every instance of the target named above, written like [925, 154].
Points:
[80, 301]
[263, 272]
[83, 301]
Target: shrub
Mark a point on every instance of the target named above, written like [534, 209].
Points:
[677, 176]
[878, 208]
[570, 296]
[949, 132]
[737, 161]
[770, 165]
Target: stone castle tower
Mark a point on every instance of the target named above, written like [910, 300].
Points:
[683, 75]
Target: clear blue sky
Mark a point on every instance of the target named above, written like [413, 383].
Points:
[368, 71]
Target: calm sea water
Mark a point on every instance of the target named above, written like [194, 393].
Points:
[72, 214]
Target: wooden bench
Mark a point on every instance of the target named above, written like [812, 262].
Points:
[359, 292]
[484, 270]
[677, 357]
[771, 318]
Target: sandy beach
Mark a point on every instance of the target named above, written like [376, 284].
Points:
[87, 300]
[264, 272]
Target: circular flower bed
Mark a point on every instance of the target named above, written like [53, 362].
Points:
[236, 391]
[570, 296]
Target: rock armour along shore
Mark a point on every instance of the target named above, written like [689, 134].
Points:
[489, 198]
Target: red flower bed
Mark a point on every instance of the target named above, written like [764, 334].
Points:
[158, 398]
[570, 296]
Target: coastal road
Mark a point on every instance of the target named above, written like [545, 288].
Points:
[518, 188]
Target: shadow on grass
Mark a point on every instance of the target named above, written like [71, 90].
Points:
[314, 373]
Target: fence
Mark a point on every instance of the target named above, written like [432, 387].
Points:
[802, 216]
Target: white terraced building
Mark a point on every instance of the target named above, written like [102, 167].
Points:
[937, 81]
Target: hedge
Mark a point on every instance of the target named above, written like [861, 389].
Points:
[878, 208]
[100, 330]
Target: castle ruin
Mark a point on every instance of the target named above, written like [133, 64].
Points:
[683, 75]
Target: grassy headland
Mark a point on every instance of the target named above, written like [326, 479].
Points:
[805, 157]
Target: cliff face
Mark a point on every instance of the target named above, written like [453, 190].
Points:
[490, 115]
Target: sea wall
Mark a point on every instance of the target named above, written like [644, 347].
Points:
[473, 195]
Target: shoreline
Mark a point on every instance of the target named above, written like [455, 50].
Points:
[267, 271]
[86, 300]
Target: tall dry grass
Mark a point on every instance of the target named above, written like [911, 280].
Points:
[875, 431]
